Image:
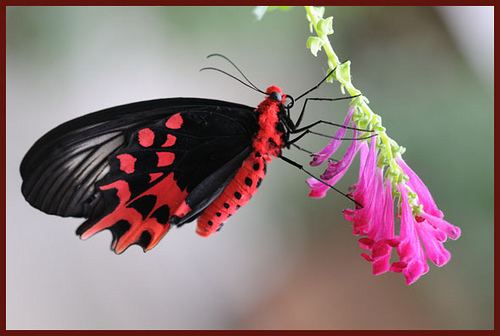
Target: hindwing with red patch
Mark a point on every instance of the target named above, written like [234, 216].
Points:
[138, 168]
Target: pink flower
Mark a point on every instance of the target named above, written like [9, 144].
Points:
[423, 230]
[412, 261]
[364, 190]
[335, 170]
[380, 237]
[335, 142]
[419, 187]
[431, 213]
[375, 220]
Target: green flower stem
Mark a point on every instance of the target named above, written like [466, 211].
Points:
[364, 116]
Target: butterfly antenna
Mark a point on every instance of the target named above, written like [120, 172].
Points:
[233, 77]
[317, 85]
[236, 67]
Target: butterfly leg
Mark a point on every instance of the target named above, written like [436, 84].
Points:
[301, 115]
[300, 167]
[308, 131]
[288, 124]
[311, 153]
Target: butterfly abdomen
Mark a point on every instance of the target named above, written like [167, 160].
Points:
[266, 144]
[236, 194]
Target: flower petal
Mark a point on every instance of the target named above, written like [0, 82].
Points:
[409, 250]
[451, 230]
[335, 142]
[335, 168]
[420, 188]
[318, 189]
[373, 204]
[368, 164]
[382, 264]
[333, 173]
[434, 248]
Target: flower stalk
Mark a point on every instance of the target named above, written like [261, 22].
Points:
[364, 117]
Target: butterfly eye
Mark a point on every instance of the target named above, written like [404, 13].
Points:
[275, 96]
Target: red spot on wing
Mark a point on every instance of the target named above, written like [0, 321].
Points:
[182, 210]
[175, 121]
[165, 158]
[154, 176]
[170, 141]
[166, 192]
[127, 163]
[146, 137]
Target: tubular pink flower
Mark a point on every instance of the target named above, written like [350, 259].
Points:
[334, 172]
[372, 202]
[383, 235]
[364, 191]
[319, 189]
[432, 226]
[334, 168]
[335, 142]
[376, 218]
[368, 162]
[419, 187]
[381, 239]
[431, 212]
[433, 239]
[452, 231]
[412, 262]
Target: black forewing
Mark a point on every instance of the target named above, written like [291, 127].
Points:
[60, 172]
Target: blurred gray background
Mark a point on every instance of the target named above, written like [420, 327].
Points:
[284, 261]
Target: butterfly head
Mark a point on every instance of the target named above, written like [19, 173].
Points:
[276, 95]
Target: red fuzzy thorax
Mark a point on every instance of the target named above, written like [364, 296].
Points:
[268, 140]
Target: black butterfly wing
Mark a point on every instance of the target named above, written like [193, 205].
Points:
[133, 168]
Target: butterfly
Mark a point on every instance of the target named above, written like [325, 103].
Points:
[139, 169]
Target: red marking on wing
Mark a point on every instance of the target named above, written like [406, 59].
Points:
[170, 141]
[146, 137]
[227, 203]
[127, 163]
[154, 176]
[182, 210]
[166, 192]
[175, 121]
[165, 158]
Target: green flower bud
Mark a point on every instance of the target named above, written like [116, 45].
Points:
[314, 43]
[325, 26]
